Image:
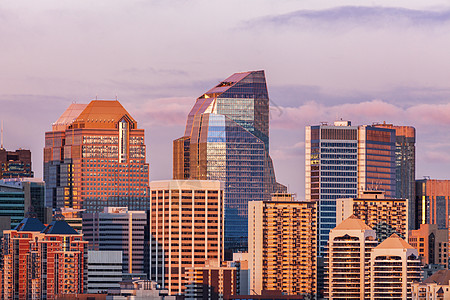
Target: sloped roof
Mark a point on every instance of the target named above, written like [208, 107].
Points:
[59, 227]
[352, 223]
[227, 83]
[441, 277]
[30, 224]
[394, 242]
[71, 113]
[102, 114]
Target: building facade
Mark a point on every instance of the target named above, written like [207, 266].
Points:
[385, 215]
[19, 196]
[348, 260]
[104, 271]
[41, 262]
[432, 201]
[405, 167]
[432, 244]
[394, 267]
[282, 245]
[94, 157]
[15, 164]
[227, 139]
[343, 160]
[436, 287]
[211, 282]
[186, 229]
[118, 229]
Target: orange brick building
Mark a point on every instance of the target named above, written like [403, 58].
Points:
[94, 157]
[186, 229]
[41, 261]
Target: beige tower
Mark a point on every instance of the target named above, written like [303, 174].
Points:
[282, 245]
[186, 228]
[395, 266]
[348, 260]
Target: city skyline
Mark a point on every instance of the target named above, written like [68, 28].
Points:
[366, 64]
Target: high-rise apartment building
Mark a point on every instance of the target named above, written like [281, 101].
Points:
[436, 286]
[18, 196]
[385, 215]
[14, 164]
[432, 244]
[118, 229]
[282, 245]
[41, 262]
[95, 157]
[405, 167]
[227, 139]
[343, 160]
[348, 260]
[186, 229]
[394, 267]
[432, 201]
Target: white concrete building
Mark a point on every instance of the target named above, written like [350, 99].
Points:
[104, 269]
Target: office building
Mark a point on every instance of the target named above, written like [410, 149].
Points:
[435, 287]
[19, 196]
[282, 245]
[432, 201]
[95, 157]
[41, 262]
[186, 229]
[405, 167]
[211, 282]
[394, 267]
[341, 161]
[385, 215]
[348, 260]
[118, 229]
[104, 271]
[227, 139]
[432, 244]
[15, 164]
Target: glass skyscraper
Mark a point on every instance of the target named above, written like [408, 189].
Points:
[343, 161]
[227, 139]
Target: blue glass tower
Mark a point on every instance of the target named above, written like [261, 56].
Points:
[227, 139]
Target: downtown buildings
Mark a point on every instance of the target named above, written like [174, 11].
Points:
[40, 262]
[341, 161]
[227, 138]
[15, 164]
[95, 157]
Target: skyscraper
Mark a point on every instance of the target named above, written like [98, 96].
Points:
[433, 202]
[405, 167]
[95, 157]
[186, 229]
[227, 139]
[341, 161]
[282, 245]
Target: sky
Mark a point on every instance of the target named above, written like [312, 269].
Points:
[364, 61]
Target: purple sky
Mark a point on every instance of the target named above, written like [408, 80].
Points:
[387, 61]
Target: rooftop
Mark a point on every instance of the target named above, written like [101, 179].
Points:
[441, 277]
[59, 227]
[394, 242]
[352, 223]
[30, 224]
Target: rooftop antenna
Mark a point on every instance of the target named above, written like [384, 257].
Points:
[1, 146]
[116, 96]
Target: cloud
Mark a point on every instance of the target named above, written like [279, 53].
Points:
[374, 16]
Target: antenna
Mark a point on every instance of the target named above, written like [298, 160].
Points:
[1, 146]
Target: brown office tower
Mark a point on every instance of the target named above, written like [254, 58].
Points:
[95, 157]
[432, 244]
[14, 164]
[432, 198]
[385, 215]
[41, 261]
[186, 229]
[282, 245]
[211, 282]
[405, 167]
